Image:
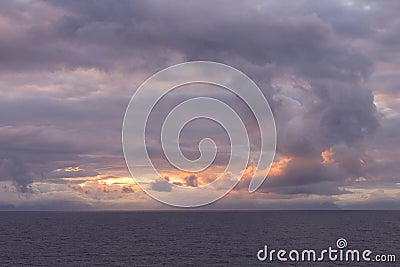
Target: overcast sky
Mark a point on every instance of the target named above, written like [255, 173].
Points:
[329, 69]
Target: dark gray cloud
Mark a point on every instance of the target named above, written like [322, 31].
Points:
[12, 169]
[161, 185]
[191, 181]
[105, 35]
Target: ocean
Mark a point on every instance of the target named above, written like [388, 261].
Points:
[191, 238]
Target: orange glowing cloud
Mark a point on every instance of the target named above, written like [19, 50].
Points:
[328, 156]
[202, 178]
[105, 185]
[277, 168]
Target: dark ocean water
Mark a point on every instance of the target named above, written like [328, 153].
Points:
[185, 238]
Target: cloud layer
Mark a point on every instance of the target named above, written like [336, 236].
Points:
[328, 69]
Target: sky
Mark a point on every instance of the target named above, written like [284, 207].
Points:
[329, 70]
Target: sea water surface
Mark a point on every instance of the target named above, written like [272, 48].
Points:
[189, 238]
